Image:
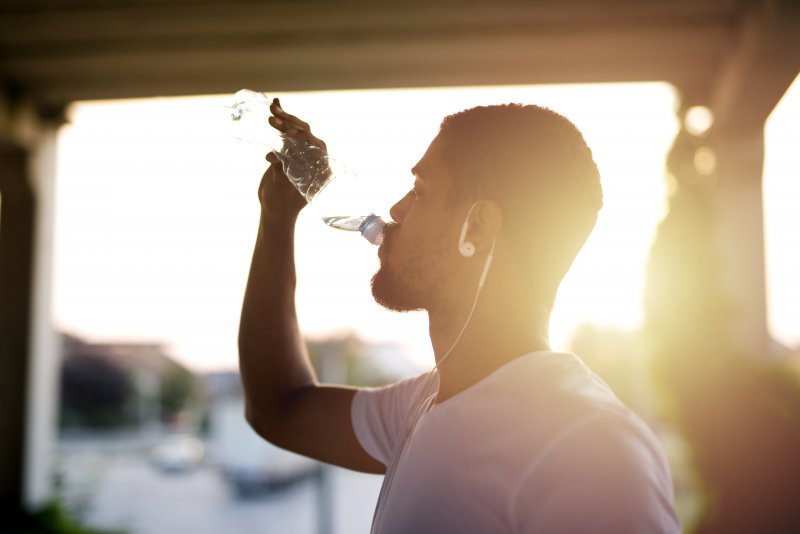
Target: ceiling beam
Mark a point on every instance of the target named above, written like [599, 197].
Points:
[92, 50]
[759, 66]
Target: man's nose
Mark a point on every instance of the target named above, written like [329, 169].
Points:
[399, 210]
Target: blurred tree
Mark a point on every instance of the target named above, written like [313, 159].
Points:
[333, 358]
[349, 360]
[178, 388]
[740, 413]
[53, 518]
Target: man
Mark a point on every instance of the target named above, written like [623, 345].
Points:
[504, 435]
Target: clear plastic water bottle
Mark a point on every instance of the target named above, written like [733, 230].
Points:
[333, 189]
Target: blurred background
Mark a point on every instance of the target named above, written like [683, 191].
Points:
[128, 214]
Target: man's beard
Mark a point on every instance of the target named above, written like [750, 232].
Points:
[388, 291]
[412, 282]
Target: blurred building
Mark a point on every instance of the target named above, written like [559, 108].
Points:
[136, 384]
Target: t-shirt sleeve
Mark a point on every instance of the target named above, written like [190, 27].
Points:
[604, 474]
[380, 415]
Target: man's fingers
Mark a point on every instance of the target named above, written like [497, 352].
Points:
[302, 125]
[284, 117]
[292, 127]
[277, 123]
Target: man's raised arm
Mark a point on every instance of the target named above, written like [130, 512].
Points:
[284, 403]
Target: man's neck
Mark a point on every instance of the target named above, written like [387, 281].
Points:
[496, 335]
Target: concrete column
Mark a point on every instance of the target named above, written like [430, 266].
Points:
[17, 211]
[29, 348]
[44, 361]
[723, 164]
[738, 199]
[748, 81]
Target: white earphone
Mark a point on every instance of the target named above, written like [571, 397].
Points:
[466, 248]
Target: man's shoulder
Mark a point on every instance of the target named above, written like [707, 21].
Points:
[529, 401]
[549, 382]
[570, 408]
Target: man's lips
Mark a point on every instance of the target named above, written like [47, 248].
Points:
[388, 233]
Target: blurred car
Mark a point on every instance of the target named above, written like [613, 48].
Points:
[248, 463]
[178, 453]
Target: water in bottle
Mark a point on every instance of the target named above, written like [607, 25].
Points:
[308, 168]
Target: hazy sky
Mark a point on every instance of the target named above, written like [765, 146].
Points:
[157, 213]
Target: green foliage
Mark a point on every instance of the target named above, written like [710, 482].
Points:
[51, 519]
[178, 387]
[342, 360]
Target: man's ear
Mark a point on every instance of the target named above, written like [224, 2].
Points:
[484, 224]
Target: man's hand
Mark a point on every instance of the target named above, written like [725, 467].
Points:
[280, 200]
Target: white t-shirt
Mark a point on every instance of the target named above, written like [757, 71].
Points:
[540, 445]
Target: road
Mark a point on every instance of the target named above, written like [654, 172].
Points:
[118, 488]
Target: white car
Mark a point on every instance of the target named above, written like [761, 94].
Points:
[178, 453]
[248, 463]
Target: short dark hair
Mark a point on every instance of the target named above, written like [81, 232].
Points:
[538, 168]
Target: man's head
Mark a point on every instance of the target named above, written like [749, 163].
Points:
[537, 191]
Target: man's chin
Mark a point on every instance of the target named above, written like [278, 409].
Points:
[388, 293]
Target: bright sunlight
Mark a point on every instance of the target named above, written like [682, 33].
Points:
[157, 213]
